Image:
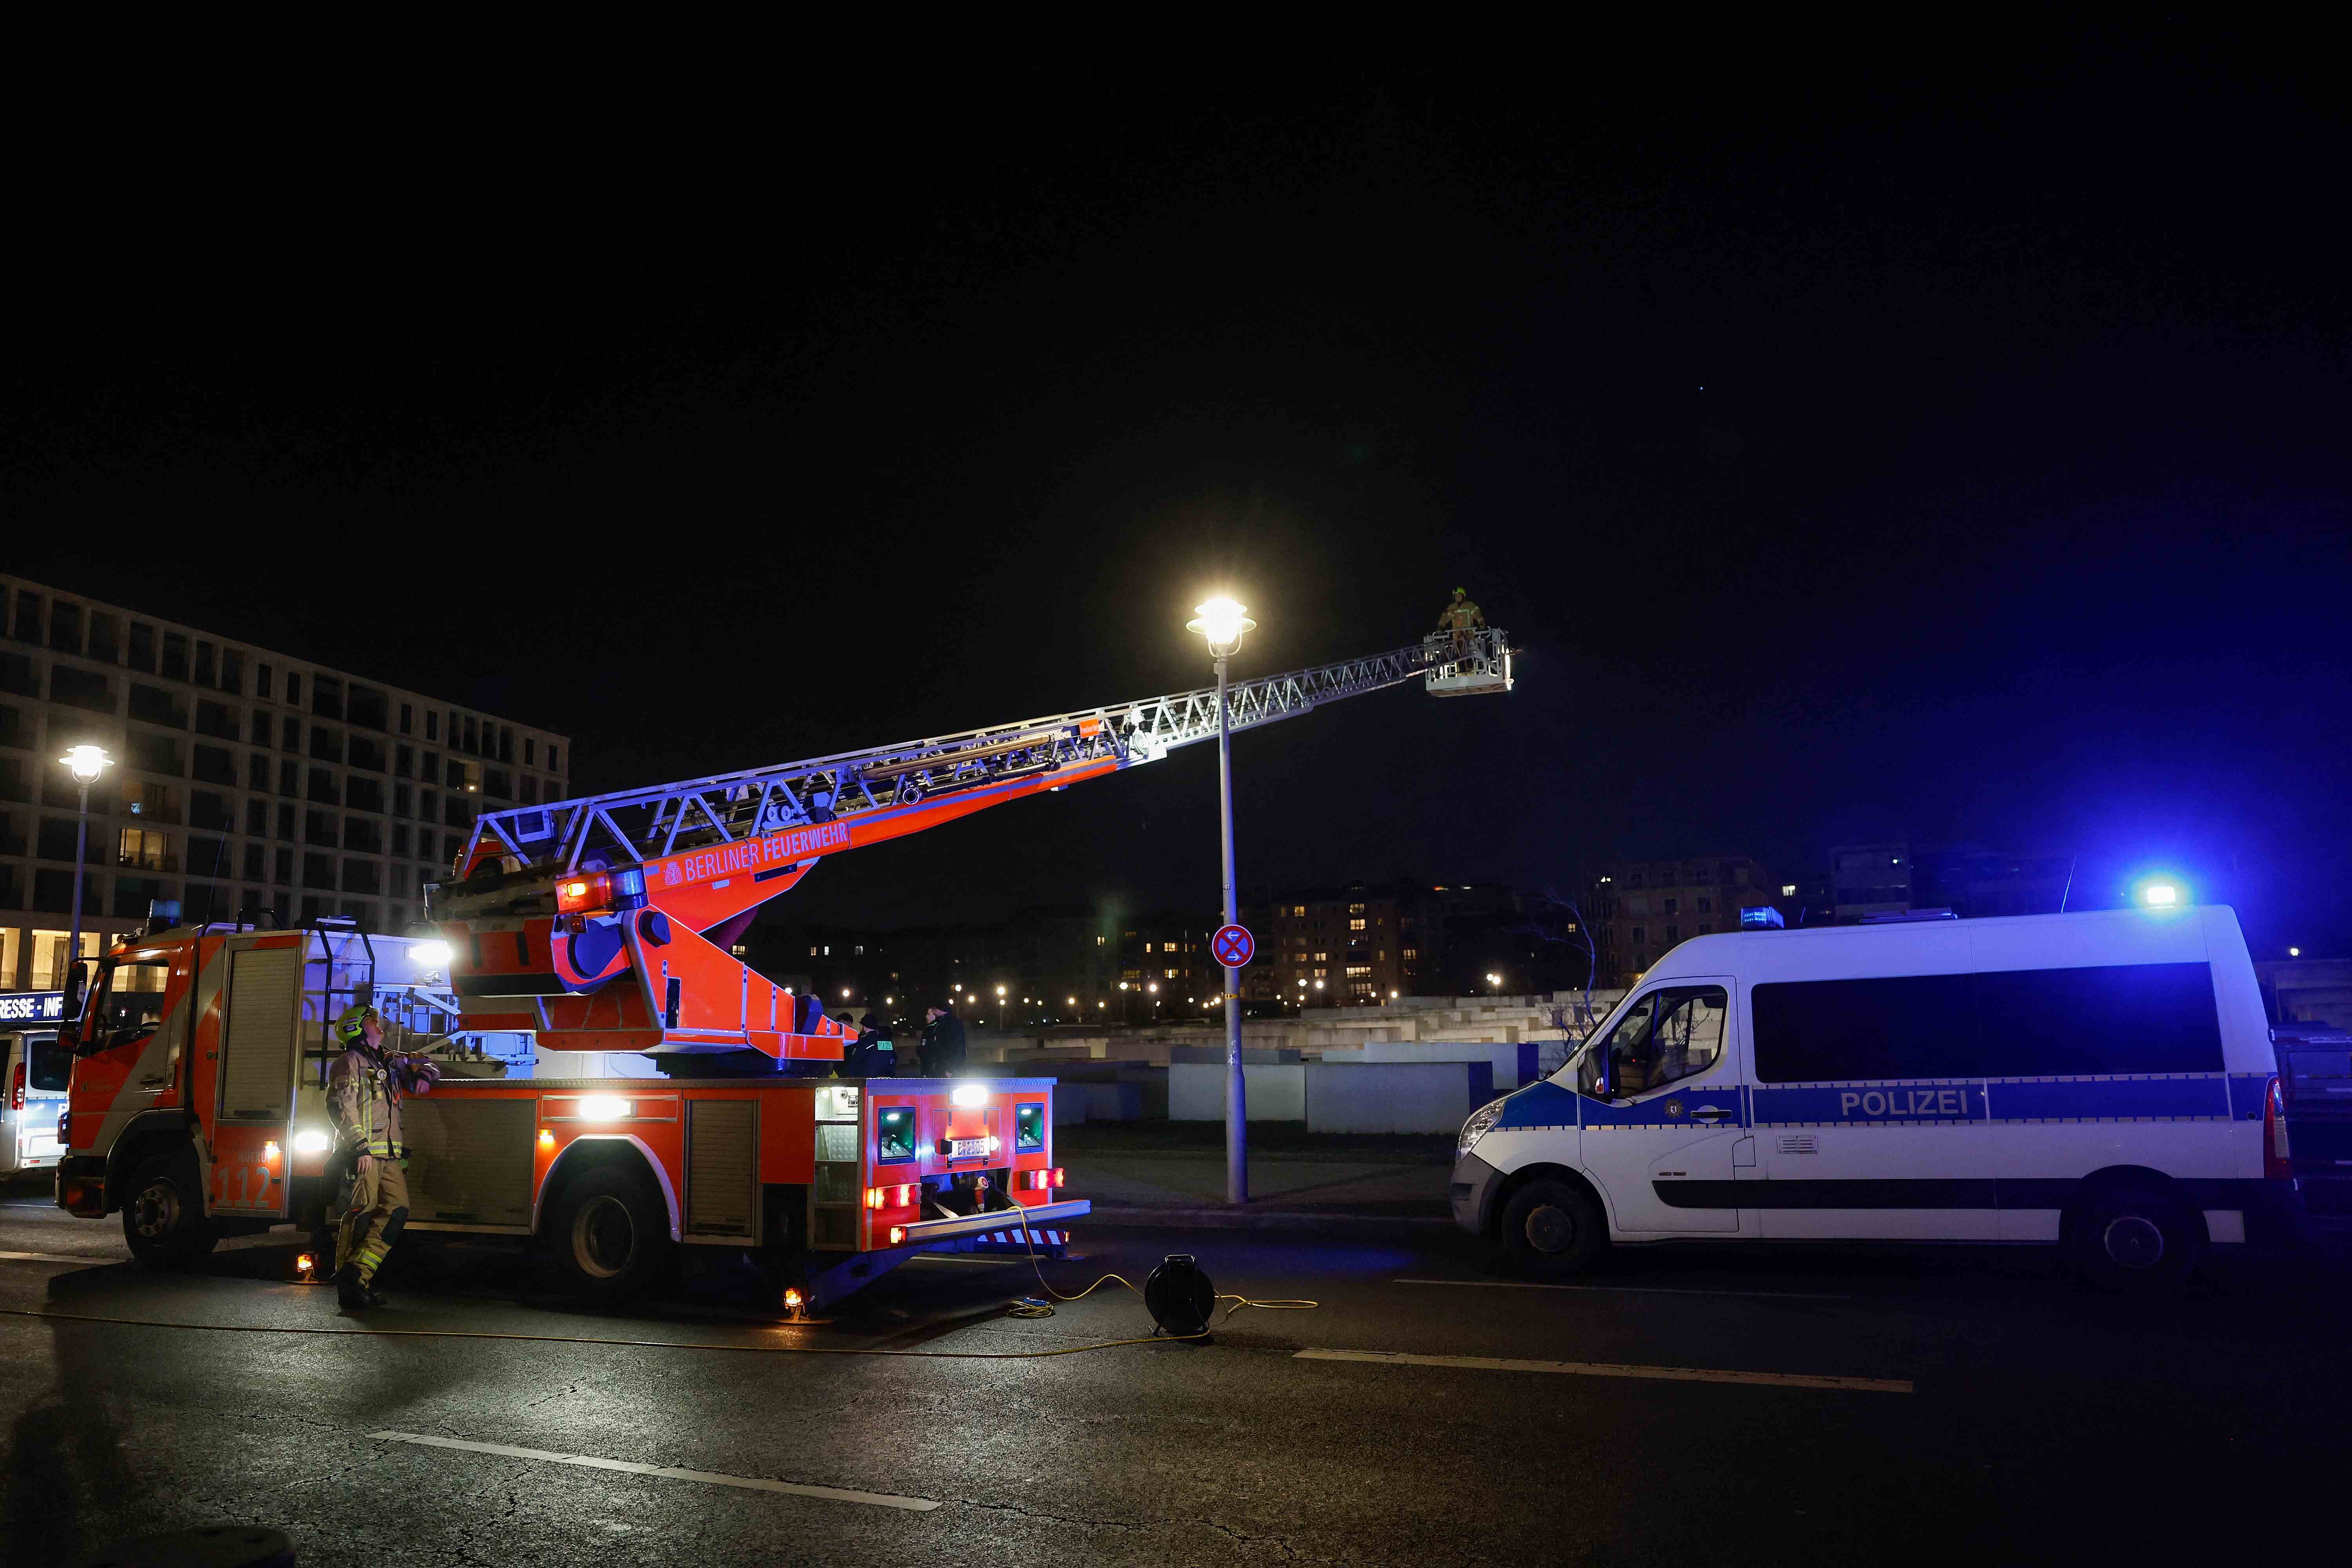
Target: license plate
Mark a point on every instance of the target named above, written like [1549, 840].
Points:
[967, 1148]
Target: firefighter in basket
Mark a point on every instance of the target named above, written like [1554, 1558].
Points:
[364, 1092]
[1461, 618]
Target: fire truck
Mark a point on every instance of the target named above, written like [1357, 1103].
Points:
[605, 924]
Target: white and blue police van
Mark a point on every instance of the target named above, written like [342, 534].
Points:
[2102, 1081]
[34, 1074]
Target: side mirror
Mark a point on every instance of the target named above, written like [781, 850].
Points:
[70, 1024]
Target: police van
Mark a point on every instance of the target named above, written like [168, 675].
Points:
[36, 1070]
[2100, 1081]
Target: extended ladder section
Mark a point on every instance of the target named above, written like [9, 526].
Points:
[604, 924]
[643, 826]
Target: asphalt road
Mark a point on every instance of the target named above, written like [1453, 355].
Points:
[1691, 1406]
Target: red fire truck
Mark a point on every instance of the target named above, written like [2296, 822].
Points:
[605, 924]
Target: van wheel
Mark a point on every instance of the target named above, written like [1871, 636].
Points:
[612, 1235]
[2134, 1238]
[1553, 1228]
[164, 1213]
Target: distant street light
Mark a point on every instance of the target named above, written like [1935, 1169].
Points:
[2294, 953]
[1495, 981]
[85, 763]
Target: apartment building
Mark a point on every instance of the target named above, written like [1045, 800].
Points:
[1642, 908]
[243, 778]
[1359, 945]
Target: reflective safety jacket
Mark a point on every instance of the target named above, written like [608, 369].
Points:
[1461, 617]
[364, 1102]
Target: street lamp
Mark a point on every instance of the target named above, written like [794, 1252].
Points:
[1495, 980]
[1000, 1006]
[85, 763]
[1224, 623]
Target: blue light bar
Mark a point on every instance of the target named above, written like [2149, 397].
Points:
[1762, 917]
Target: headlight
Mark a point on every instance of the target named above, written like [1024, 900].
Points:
[310, 1140]
[1483, 1117]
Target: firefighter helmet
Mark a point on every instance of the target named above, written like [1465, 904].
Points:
[353, 1023]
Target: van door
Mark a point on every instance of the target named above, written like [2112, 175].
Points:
[46, 1069]
[260, 1056]
[1663, 1142]
[1868, 1114]
[13, 1067]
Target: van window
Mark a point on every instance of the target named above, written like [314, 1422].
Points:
[1817, 1031]
[2020, 1023]
[52, 1065]
[2123, 1018]
[1669, 1035]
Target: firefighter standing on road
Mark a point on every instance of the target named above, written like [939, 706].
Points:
[364, 1090]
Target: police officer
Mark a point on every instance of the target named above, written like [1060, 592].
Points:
[941, 1050]
[364, 1090]
[882, 1051]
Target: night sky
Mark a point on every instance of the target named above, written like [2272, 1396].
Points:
[1949, 441]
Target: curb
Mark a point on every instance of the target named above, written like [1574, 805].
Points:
[1255, 1219]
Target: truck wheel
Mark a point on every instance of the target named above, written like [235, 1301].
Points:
[2134, 1238]
[612, 1235]
[164, 1213]
[1553, 1228]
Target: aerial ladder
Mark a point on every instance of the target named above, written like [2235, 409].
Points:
[605, 924]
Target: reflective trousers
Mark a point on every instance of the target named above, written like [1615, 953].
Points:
[379, 1209]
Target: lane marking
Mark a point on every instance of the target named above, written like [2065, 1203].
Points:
[1625, 1290]
[1604, 1369]
[52, 1257]
[668, 1472]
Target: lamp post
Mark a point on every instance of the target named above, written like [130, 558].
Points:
[1000, 1007]
[1224, 623]
[86, 764]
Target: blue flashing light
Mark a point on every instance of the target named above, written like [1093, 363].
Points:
[1762, 916]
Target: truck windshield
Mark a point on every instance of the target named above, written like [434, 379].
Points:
[129, 1002]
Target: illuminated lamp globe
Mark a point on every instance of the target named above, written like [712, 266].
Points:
[87, 762]
[1223, 622]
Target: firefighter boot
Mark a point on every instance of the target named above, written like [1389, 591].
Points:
[350, 1294]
